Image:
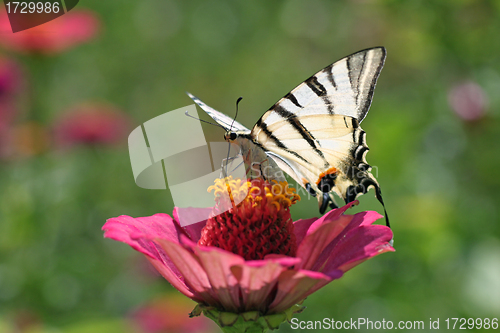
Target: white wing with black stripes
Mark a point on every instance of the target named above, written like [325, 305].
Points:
[314, 133]
[219, 117]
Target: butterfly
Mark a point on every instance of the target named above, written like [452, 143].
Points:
[313, 133]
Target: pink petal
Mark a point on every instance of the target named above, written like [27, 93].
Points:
[331, 216]
[184, 216]
[303, 227]
[258, 279]
[300, 228]
[140, 233]
[294, 286]
[316, 241]
[281, 258]
[359, 245]
[175, 280]
[217, 265]
[194, 274]
[129, 230]
[359, 219]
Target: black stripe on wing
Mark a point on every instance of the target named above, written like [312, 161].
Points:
[292, 99]
[329, 75]
[292, 119]
[263, 127]
[355, 67]
[315, 86]
[320, 90]
[359, 153]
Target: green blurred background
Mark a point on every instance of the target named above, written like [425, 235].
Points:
[432, 130]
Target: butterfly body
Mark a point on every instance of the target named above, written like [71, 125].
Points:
[313, 133]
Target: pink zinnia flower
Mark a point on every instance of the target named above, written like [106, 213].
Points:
[92, 124]
[251, 265]
[468, 100]
[56, 36]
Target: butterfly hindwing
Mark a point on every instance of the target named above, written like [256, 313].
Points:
[315, 128]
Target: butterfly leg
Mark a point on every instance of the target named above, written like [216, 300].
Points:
[309, 188]
[256, 170]
[262, 172]
[323, 204]
[327, 201]
[224, 166]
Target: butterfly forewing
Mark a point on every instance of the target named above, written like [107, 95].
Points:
[219, 117]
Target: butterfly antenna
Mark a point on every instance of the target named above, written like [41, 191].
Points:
[229, 144]
[190, 116]
[236, 114]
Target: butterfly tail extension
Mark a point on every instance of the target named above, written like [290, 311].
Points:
[365, 183]
[378, 195]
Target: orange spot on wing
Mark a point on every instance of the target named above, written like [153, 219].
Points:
[330, 171]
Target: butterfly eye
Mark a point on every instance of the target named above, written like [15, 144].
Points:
[230, 136]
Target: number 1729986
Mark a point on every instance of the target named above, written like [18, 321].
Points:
[32, 7]
[471, 323]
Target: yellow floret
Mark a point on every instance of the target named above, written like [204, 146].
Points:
[277, 194]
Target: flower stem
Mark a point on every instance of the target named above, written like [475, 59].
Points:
[255, 328]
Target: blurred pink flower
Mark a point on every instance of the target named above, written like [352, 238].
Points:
[276, 277]
[468, 101]
[10, 84]
[10, 77]
[56, 36]
[168, 314]
[92, 124]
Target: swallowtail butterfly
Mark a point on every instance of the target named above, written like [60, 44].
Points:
[314, 133]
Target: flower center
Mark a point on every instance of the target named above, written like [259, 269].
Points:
[251, 218]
